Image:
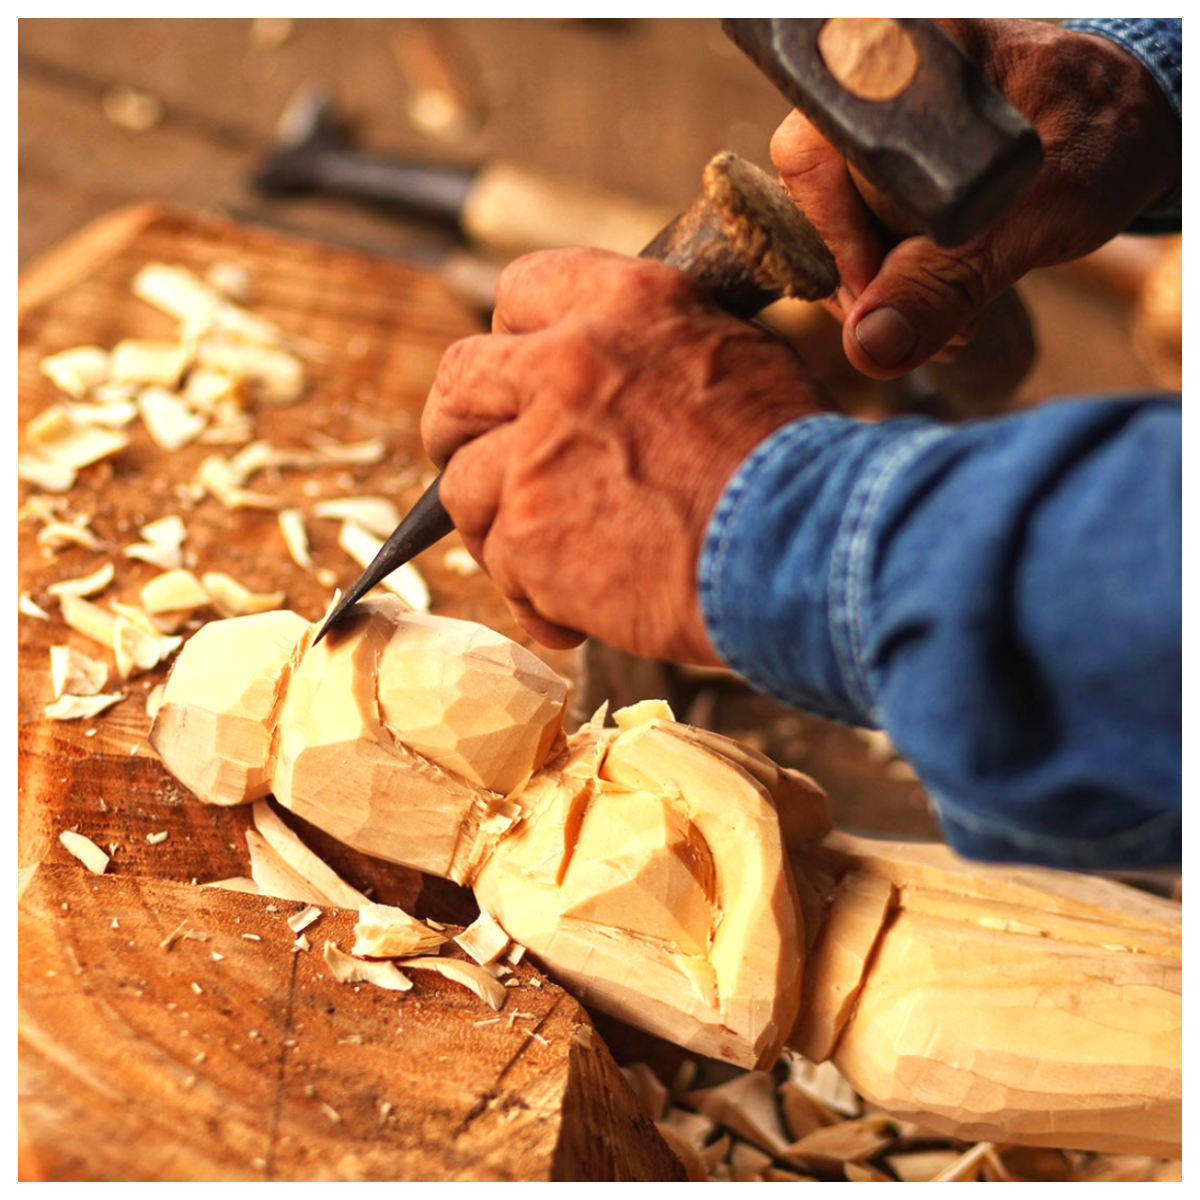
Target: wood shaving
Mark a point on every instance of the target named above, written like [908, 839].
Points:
[84, 585]
[74, 673]
[468, 974]
[484, 940]
[89, 619]
[231, 279]
[161, 544]
[324, 881]
[173, 591]
[346, 969]
[300, 921]
[156, 839]
[168, 419]
[295, 537]
[58, 438]
[85, 850]
[277, 376]
[372, 513]
[406, 582]
[77, 708]
[41, 472]
[27, 605]
[62, 533]
[234, 599]
[137, 360]
[113, 416]
[76, 371]
[154, 699]
[385, 931]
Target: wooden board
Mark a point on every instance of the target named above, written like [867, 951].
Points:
[375, 331]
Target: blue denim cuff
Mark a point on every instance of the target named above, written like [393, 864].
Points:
[784, 572]
[1157, 43]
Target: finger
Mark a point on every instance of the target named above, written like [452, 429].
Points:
[818, 180]
[540, 289]
[556, 637]
[924, 297]
[475, 389]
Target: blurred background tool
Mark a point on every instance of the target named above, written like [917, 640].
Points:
[500, 206]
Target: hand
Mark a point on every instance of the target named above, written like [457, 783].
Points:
[1112, 147]
[586, 440]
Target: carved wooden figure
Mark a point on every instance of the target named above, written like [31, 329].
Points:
[687, 884]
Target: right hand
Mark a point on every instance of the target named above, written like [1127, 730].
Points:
[1112, 147]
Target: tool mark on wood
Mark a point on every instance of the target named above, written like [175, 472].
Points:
[493, 1092]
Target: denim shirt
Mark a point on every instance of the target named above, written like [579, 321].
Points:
[1002, 596]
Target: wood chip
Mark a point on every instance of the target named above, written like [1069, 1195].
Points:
[42, 472]
[300, 921]
[89, 619]
[233, 599]
[131, 109]
[84, 585]
[85, 850]
[849, 1141]
[468, 974]
[168, 419]
[161, 544]
[156, 839]
[57, 437]
[346, 969]
[75, 674]
[406, 582]
[277, 376]
[141, 361]
[484, 940]
[172, 592]
[154, 699]
[459, 560]
[747, 1106]
[385, 931]
[76, 371]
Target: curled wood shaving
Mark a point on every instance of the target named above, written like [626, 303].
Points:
[406, 582]
[332, 889]
[58, 534]
[372, 513]
[277, 376]
[346, 969]
[73, 673]
[85, 850]
[30, 608]
[78, 708]
[295, 537]
[84, 585]
[468, 974]
[385, 931]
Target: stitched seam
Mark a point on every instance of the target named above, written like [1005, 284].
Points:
[848, 575]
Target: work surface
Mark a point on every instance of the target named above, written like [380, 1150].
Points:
[172, 1032]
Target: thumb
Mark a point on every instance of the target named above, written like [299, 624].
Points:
[923, 297]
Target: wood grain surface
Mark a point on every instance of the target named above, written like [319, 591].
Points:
[107, 1089]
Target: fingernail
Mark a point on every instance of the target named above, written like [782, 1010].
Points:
[887, 337]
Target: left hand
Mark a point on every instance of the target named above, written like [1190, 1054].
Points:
[586, 440]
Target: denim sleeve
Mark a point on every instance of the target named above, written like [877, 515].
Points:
[1003, 596]
[1157, 43]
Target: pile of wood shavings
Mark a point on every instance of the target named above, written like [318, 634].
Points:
[805, 1123]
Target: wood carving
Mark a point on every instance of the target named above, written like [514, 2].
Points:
[689, 885]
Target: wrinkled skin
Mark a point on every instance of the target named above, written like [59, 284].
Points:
[1112, 147]
[587, 439]
[592, 433]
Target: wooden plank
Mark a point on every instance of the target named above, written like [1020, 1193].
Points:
[170, 1033]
